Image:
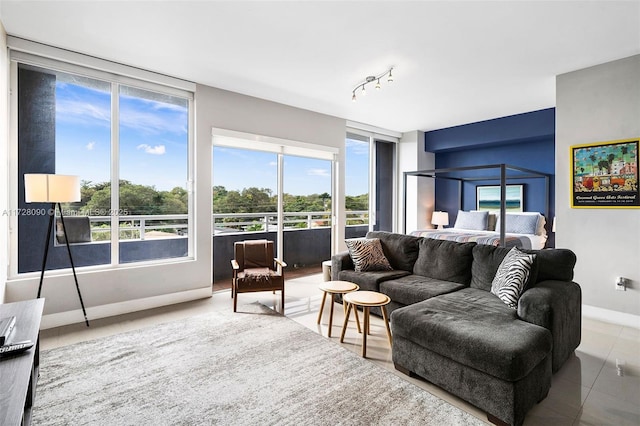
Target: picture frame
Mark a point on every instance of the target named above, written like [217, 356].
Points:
[488, 198]
[605, 174]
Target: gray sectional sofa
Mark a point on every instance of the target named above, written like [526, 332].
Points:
[449, 329]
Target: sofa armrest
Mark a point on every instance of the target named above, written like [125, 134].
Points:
[340, 262]
[556, 306]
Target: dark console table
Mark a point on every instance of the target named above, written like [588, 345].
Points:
[19, 373]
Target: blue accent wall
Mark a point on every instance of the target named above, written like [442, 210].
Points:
[524, 140]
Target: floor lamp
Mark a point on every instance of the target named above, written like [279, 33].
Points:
[54, 189]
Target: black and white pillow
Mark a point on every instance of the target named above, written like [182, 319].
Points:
[512, 276]
[367, 255]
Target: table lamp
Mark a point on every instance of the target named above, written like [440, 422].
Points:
[440, 218]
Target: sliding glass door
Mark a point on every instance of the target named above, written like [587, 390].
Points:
[260, 190]
[307, 210]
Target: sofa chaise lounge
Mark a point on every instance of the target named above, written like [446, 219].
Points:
[450, 329]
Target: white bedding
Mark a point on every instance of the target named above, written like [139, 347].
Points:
[531, 241]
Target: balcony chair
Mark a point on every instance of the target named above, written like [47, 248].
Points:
[78, 230]
[256, 269]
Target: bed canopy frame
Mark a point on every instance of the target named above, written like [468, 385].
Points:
[504, 172]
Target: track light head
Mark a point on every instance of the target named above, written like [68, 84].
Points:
[370, 79]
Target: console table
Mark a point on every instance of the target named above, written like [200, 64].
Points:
[19, 373]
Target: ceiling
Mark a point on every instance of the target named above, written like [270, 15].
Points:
[454, 62]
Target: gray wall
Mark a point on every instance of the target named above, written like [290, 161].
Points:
[597, 104]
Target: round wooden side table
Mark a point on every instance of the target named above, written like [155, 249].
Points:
[333, 288]
[366, 299]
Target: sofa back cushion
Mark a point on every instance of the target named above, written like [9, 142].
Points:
[550, 264]
[401, 250]
[445, 260]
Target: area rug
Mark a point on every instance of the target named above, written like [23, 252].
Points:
[256, 368]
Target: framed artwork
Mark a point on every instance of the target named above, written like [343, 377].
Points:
[605, 175]
[488, 198]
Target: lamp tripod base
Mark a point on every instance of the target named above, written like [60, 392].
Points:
[46, 254]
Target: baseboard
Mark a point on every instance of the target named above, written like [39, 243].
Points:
[607, 315]
[120, 308]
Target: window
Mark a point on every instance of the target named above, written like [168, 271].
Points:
[369, 182]
[128, 141]
[357, 171]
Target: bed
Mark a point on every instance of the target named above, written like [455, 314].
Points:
[519, 230]
[523, 230]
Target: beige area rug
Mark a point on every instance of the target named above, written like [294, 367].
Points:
[256, 368]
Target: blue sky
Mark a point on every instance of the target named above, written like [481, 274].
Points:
[302, 176]
[153, 138]
[153, 148]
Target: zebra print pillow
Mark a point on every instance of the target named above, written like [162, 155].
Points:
[367, 255]
[512, 275]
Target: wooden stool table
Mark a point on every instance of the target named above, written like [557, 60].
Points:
[333, 288]
[366, 299]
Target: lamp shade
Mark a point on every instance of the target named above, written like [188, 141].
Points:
[46, 188]
[440, 219]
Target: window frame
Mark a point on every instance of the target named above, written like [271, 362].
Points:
[59, 60]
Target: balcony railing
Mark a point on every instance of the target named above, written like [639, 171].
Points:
[142, 227]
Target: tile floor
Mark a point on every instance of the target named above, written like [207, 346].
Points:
[600, 385]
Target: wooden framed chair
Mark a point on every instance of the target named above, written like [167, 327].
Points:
[256, 269]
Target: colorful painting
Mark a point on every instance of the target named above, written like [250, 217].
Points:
[488, 198]
[605, 175]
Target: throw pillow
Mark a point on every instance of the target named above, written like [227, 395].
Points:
[367, 255]
[511, 277]
[476, 221]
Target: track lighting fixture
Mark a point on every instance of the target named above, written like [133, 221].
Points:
[371, 79]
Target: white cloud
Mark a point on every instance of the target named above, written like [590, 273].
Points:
[90, 146]
[273, 163]
[155, 150]
[318, 172]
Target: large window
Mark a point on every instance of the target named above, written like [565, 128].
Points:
[369, 182]
[128, 141]
[356, 184]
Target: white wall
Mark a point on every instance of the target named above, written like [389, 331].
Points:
[408, 147]
[597, 104]
[4, 136]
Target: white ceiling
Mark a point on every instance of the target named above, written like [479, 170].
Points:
[455, 62]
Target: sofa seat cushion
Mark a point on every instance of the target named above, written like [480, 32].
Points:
[369, 280]
[416, 288]
[474, 328]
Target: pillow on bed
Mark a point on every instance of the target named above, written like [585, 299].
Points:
[523, 223]
[476, 221]
[492, 218]
[367, 254]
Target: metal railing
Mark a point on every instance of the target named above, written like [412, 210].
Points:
[142, 227]
[268, 221]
